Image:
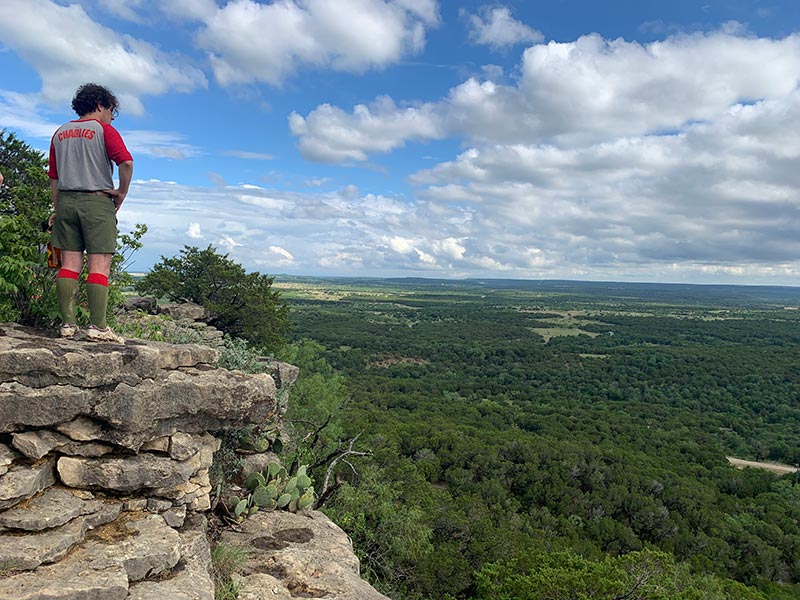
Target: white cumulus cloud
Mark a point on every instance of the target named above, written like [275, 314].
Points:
[228, 243]
[494, 26]
[329, 134]
[401, 245]
[251, 41]
[572, 93]
[194, 231]
[63, 44]
[281, 252]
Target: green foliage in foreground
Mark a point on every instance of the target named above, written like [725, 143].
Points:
[644, 575]
[241, 304]
[27, 286]
[226, 560]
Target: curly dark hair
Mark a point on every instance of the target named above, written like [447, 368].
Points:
[89, 95]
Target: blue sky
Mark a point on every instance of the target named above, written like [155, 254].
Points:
[622, 140]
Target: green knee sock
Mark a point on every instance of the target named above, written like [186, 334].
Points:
[66, 290]
[97, 294]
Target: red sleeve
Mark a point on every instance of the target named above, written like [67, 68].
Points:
[115, 147]
[52, 170]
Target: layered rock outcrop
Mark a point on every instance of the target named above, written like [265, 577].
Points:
[105, 454]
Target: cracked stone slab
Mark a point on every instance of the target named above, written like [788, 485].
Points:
[22, 407]
[283, 545]
[26, 552]
[190, 579]
[35, 444]
[152, 548]
[126, 474]
[52, 508]
[57, 361]
[129, 549]
[23, 481]
[82, 575]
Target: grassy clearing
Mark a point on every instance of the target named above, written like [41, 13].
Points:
[549, 333]
[767, 466]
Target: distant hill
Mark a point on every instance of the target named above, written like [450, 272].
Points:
[702, 294]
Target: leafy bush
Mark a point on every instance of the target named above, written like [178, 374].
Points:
[27, 285]
[241, 304]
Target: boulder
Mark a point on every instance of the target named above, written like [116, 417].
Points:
[252, 463]
[191, 578]
[152, 548]
[187, 310]
[140, 303]
[281, 549]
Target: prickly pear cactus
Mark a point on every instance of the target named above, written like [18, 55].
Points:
[273, 488]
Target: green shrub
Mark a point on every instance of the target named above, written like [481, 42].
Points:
[241, 304]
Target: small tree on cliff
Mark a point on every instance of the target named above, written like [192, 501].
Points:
[241, 304]
[27, 289]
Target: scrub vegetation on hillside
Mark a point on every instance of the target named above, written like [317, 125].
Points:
[509, 464]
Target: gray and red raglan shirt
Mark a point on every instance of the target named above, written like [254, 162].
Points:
[81, 155]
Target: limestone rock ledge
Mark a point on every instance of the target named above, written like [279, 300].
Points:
[122, 394]
[297, 555]
[104, 476]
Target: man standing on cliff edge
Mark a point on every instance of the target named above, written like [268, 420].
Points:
[86, 202]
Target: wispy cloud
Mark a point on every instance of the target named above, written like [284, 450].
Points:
[162, 144]
[244, 154]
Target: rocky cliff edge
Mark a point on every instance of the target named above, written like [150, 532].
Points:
[105, 453]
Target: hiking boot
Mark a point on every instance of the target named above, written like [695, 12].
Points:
[96, 334]
[67, 330]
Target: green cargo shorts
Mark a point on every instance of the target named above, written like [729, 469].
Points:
[85, 221]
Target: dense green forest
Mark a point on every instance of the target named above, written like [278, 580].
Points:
[562, 439]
